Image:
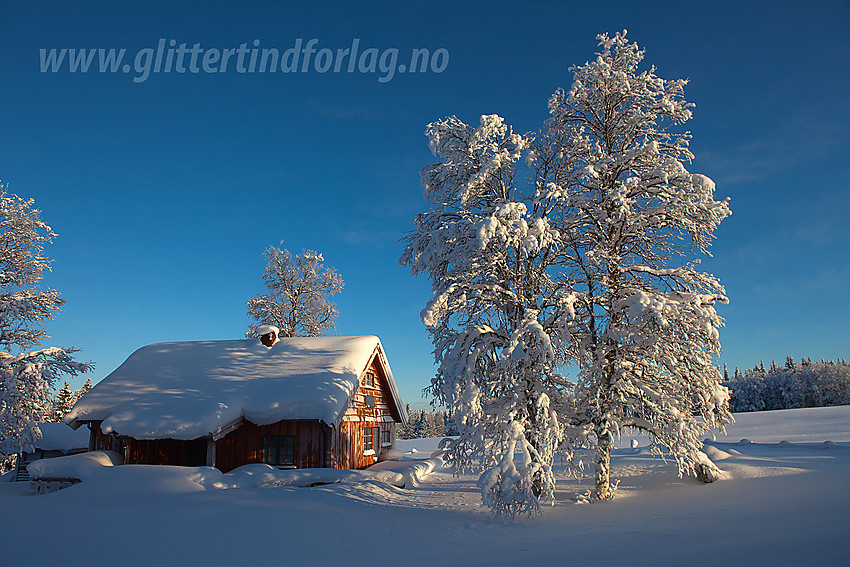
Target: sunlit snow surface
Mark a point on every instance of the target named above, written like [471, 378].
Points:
[784, 501]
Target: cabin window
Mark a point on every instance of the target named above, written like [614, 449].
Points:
[370, 401]
[370, 438]
[385, 437]
[369, 379]
[279, 450]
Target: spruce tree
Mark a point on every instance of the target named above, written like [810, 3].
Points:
[62, 404]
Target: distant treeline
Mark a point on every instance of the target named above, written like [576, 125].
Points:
[805, 385]
[422, 423]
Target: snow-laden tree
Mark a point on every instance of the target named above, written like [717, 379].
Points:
[65, 399]
[499, 320]
[62, 404]
[297, 301]
[814, 384]
[636, 221]
[592, 264]
[422, 423]
[27, 374]
[77, 394]
[746, 392]
[25, 401]
[23, 306]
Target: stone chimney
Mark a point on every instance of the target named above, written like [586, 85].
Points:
[268, 334]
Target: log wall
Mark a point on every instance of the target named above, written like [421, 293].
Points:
[166, 452]
[245, 444]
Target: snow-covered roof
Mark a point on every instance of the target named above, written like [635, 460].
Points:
[190, 389]
[60, 437]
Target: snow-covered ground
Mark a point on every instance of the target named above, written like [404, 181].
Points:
[785, 501]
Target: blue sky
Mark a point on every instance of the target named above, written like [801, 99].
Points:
[165, 192]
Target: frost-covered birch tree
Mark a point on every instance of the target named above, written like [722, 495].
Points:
[498, 319]
[297, 301]
[576, 247]
[637, 221]
[27, 373]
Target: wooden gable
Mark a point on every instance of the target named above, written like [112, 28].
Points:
[369, 424]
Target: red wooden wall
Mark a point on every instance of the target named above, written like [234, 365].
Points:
[245, 444]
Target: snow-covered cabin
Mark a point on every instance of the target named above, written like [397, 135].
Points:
[302, 402]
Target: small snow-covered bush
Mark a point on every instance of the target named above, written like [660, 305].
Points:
[508, 493]
[390, 455]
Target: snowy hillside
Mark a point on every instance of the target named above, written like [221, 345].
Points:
[784, 501]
